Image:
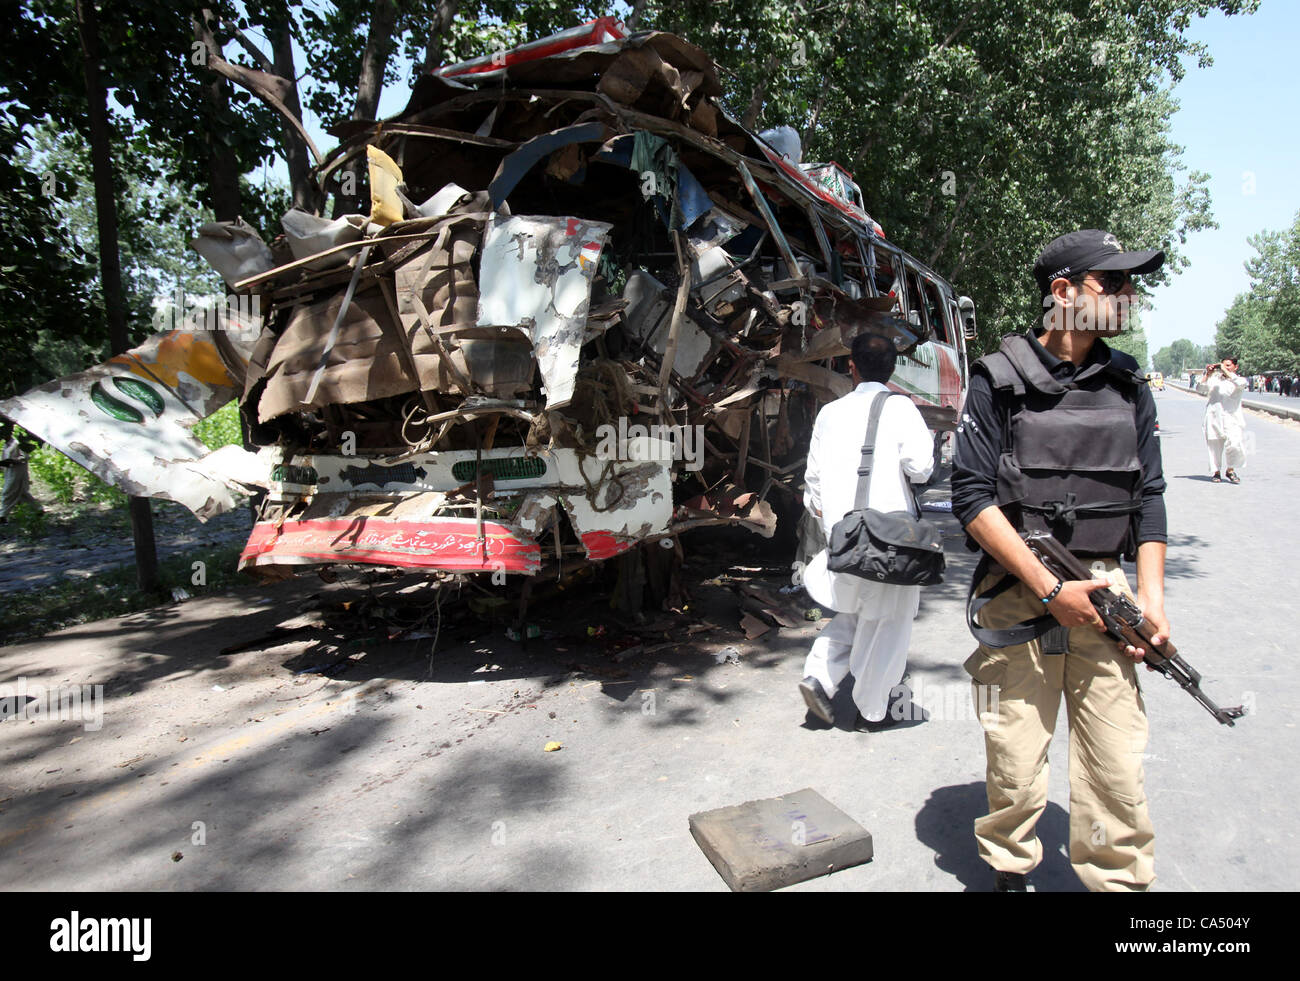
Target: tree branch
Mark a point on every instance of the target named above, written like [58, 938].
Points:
[374, 59]
[898, 103]
[750, 119]
[638, 9]
[250, 47]
[444, 13]
[952, 223]
[270, 88]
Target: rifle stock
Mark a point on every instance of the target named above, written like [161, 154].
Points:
[1124, 621]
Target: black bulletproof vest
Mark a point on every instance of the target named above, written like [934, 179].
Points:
[1071, 467]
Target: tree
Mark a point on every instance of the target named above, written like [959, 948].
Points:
[1185, 355]
[146, 553]
[1180, 357]
[45, 277]
[977, 132]
[1133, 341]
[1245, 333]
[164, 130]
[1275, 284]
[1261, 328]
[156, 220]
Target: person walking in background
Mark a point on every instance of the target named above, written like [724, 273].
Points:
[1225, 423]
[13, 462]
[870, 634]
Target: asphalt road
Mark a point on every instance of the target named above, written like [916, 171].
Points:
[230, 771]
[1270, 398]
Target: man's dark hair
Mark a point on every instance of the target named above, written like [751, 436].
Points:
[874, 356]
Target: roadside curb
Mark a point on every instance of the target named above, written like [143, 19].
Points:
[1284, 412]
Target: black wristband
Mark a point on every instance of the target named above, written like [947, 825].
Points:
[1052, 595]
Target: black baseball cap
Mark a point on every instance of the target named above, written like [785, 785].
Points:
[1090, 248]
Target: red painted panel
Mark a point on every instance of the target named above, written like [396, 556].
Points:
[603, 545]
[593, 32]
[450, 544]
[949, 378]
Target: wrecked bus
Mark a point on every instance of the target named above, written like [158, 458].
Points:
[586, 311]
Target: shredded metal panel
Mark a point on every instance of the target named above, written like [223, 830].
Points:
[536, 275]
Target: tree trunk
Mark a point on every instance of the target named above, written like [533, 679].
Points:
[750, 120]
[223, 167]
[634, 18]
[375, 59]
[306, 194]
[444, 12]
[110, 267]
[276, 85]
[971, 183]
[812, 124]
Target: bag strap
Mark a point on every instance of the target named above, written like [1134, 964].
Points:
[868, 451]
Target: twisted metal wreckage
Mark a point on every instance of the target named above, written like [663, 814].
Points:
[470, 384]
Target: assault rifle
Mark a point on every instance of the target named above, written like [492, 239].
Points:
[1124, 621]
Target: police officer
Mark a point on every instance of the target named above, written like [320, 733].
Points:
[1058, 435]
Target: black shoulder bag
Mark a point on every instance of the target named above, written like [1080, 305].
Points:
[888, 547]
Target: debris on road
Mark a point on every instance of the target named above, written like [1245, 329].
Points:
[727, 655]
[763, 845]
[752, 626]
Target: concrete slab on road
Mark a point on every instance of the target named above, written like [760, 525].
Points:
[230, 771]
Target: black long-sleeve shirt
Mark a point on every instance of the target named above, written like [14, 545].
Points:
[981, 436]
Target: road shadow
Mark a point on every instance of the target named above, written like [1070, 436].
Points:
[1183, 558]
[945, 823]
[250, 816]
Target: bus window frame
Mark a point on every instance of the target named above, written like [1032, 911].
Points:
[932, 291]
[924, 325]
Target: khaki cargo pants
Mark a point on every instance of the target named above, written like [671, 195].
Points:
[1111, 838]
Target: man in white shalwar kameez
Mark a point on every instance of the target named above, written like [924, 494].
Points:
[870, 633]
[1225, 423]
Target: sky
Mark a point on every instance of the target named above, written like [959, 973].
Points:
[1237, 121]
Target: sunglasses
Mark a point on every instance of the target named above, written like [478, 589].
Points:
[1112, 280]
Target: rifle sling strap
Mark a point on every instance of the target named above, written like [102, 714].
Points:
[1020, 633]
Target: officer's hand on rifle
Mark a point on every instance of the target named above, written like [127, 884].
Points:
[1072, 607]
[1154, 614]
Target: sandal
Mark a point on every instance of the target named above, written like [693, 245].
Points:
[1231, 475]
[1216, 478]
